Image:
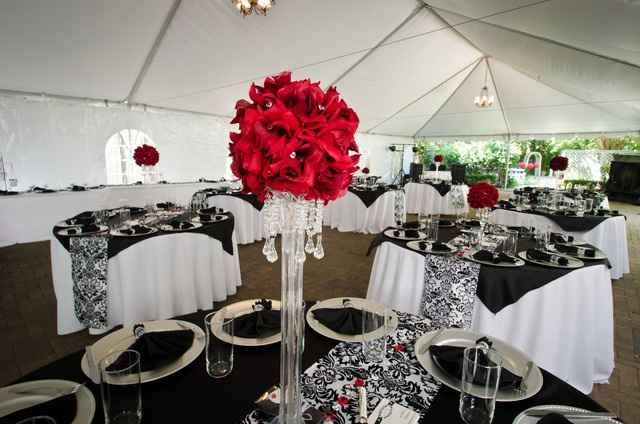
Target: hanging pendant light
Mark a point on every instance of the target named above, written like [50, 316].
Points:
[484, 99]
[247, 7]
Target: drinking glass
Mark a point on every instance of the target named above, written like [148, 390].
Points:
[510, 244]
[120, 387]
[375, 327]
[125, 216]
[481, 369]
[219, 353]
[431, 230]
[542, 239]
[41, 419]
[588, 205]
[422, 219]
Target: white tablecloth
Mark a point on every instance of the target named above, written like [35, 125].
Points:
[29, 217]
[157, 278]
[348, 213]
[565, 326]
[434, 175]
[426, 199]
[249, 222]
[610, 236]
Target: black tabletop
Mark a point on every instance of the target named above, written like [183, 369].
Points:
[191, 396]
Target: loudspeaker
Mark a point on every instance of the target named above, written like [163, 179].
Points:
[415, 170]
[458, 173]
[624, 181]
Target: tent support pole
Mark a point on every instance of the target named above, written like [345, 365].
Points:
[411, 15]
[506, 171]
[448, 98]
[154, 50]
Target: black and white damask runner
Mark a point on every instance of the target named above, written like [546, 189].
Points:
[450, 286]
[401, 379]
[89, 264]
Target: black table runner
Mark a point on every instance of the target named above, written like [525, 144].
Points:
[499, 287]
[369, 197]
[247, 197]
[568, 223]
[221, 231]
[191, 396]
[443, 187]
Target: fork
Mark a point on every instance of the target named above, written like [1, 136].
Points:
[44, 391]
[522, 389]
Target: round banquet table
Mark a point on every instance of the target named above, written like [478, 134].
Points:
[349, 213]
[191, 396]
[249, 220]
[422, 197]
[610, 235]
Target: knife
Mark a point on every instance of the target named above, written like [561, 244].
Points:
[570, 414]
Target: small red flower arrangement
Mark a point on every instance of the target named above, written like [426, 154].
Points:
[365, 170]
[438, 158]
[482, 195]
[294, 137]
[522, 165]
[559, 163]
[146, 155]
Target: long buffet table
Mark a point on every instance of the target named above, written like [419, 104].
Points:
[28, 217]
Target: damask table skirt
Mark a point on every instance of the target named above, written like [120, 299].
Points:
[157, 278]
[426, 199]
[566, 326]
[249, 222]
[610, 236]
[349, 213]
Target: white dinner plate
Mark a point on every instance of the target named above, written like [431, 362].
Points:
[117, 233]
[65, 231]
[523, 418]
[519, 262]
[124, 338]
[573, 262]
[198, 220]
[512, 359]
[14, 398]
[357, 303]
[415, 245]
[389, 233]
[238, 309]
[167, 227]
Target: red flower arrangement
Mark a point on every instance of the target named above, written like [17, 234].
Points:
[146, 155]
[482, 195]
[531, 165]
[559, 163]
[365, 170]
[438, 158]
[294, 137]
[522, 165]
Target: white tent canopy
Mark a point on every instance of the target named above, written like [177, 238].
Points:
[408, 68]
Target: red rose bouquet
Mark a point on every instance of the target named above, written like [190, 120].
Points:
[365, 170]
[559, 163]
[294, 137]
[482, 195]
[146, 155]
[438, 158]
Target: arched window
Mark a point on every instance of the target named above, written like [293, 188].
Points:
[121, 168]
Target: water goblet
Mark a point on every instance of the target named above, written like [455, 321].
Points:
[481, 370]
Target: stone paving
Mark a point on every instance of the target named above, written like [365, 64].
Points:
[28, 307]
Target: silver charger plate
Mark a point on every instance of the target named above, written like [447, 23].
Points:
[573, 262]
[451, 224]
[389, 233]
[598, 256]
[117, 233]
[415, 245]
[24, 395]
[65, 231]
[124, 338]
[523, 418]
[167, 227]
[198, 220]
[513, 359]
[357, 303]
[238, 309]
[519, 262]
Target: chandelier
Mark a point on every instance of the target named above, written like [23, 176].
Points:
[246, 7]
[484, 99]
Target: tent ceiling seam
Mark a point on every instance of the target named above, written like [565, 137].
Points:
[431, 90]
[454, 29]
[154, 50]
[448, 98]
[495, 87]
[411, 15]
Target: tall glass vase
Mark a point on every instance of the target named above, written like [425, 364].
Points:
[148, 173]
[300, 223]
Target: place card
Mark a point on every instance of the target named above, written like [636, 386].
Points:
[388, 412]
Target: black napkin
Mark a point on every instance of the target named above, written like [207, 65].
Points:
[561, 238]
[444, 223]
[83, 218]
[486, 256]
[77, 188]
[539, 255]
[159, 348]
[89, 228]
[440, 247]
[42, 190]
[134, 210]
[341, 320]
[180, 225]
[411, 234]
[565, 213]
[411, 225]
[554, 418]
[7, 192]
[472, 223]
[450, 360]
[263, 323]
[573, 250]
[506, 205]
[136, 229]
[63, 409]
[165, 205]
